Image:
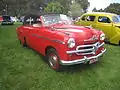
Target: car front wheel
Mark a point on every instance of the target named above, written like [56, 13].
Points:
[53, 59]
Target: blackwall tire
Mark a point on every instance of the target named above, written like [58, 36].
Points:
[53, 59]
[23, 43]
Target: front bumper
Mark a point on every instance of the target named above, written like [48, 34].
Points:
[83, 60]
[6, 23]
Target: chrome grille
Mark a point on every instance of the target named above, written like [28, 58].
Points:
[86, 49]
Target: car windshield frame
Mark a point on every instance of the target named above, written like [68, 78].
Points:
[55, 19]
[116, 19]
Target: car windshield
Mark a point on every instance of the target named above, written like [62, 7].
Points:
[116, 19]
[54, 19]
[6, 17]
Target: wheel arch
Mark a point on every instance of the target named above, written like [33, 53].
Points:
[49, 47]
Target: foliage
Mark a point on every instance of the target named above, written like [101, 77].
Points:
[94, 10]
[112, 8]
[65, 4]
[54, 7]
[76, 9]
[84, 4]
[19, 7]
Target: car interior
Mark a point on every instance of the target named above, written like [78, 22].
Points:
[33, 20]
[37, 24]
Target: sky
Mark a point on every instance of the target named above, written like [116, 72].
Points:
[100, 4]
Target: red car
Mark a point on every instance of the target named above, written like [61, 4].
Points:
[61, 42]
[1, 19]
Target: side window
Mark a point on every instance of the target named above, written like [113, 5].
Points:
[83, 18]
[103, 19]
[90, 18]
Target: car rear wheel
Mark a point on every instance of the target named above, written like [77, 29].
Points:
[23, 43]
[53, 59]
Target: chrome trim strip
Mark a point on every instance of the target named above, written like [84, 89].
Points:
[101, 45]
[54, 40]
[77, 51]
[36, 35]
[58, 41]
[86, 53]
[83, 60]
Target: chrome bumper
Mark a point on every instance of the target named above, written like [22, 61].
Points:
[83, 60]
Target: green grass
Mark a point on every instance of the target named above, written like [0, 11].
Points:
[24, 69]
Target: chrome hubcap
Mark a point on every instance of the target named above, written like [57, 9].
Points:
[53, 60]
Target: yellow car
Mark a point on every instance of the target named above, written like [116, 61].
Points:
[109, 23]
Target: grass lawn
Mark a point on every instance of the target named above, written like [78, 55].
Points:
[24, 69]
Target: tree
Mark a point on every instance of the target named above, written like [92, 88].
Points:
[94, 10]
[76, 9]
[113, 8]
[84, 4]
[54, 7]
[17, 7]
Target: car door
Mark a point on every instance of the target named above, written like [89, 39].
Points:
[32, 26]
[104, 23]
[90, 20]
[82, 21]
[28, 30]
[37, 38]
[34, 37]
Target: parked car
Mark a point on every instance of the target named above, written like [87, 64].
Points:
[1, 19]
[7, 20]
[109, 23]
[61, 42]
[21, 18]
[14, 19]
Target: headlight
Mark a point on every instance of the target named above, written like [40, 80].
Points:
[71, 42]
[102, 36]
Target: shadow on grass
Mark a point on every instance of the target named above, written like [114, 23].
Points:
[108, 43]
[69, 68]
[80, 67]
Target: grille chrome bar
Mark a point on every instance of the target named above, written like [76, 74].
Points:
[86, 49]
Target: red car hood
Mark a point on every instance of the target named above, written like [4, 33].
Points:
[80, 33]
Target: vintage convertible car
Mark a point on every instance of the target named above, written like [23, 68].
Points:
[61, 42]
[109, 23]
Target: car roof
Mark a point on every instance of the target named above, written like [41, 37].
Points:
[5, 15]
[100, 13]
